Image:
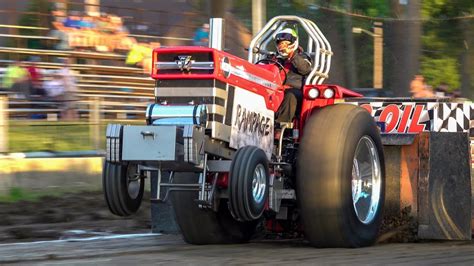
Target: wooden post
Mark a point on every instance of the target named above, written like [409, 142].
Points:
[94, 122]
[92, 6]
[378, 55]
[258, 15]
[3, 124]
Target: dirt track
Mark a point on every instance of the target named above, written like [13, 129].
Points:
[166, 249]
[72, 215]
[86, 214]
[78, 229]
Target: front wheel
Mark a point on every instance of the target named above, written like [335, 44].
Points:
[123, 188]
[341, 177]
[248, 183]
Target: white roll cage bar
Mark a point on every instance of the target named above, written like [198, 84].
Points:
[318, 46]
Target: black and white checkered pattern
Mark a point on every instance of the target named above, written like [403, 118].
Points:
[453, 117]
[436, 116]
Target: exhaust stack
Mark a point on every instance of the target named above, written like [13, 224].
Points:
[216, 33]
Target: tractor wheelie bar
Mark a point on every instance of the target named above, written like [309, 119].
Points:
[229, 169]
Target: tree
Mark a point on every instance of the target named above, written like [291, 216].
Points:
[447, 44]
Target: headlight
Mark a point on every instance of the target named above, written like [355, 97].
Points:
[328, 93]
[313, 93]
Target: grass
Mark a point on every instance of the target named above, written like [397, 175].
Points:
[49, 136]
[16, 194]
[29, 136]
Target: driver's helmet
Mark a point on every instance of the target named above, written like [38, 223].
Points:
[287, 34]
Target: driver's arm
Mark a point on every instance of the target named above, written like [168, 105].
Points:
[301, 63]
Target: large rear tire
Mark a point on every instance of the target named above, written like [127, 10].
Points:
[123, 188]
[202, 227]
[341, 177]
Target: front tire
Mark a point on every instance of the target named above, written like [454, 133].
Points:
[341, 177]
[248, 183]
[123, 188]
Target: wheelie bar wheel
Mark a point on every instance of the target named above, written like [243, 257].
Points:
[123, 188]
[248, 183]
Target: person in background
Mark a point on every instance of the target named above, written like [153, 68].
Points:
[36, 83]
[141, 56]
[73, 21]
[201, 36]
[16, 80]
[69, 99]
[54, 87]
[442, 90]
[419, 89]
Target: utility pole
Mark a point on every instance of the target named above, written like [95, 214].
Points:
[350, 66]
[259, 15]
[378, 52]
[218, 8]
[404, 45]
[378, 55]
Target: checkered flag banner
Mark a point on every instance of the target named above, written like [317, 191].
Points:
[414, 117]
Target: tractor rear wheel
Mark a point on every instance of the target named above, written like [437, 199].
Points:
[123, 188]
[200, 226]
[341, 177]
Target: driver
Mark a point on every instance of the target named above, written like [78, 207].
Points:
[297, 65]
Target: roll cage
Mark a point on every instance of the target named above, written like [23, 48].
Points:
[317, 45]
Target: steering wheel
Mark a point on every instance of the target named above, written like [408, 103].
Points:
[278, 64]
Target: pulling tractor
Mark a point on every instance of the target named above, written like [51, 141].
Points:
[229, 171]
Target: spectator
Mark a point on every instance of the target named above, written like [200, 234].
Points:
[73, 22]
[54, 87]
[419, 89]
[442, 90]
[141, 56]
[87, 22]
[16, 80]
[69, 99]
[201, 37]
[36, 84]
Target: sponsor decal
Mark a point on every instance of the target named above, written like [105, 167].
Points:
[401, 117]
[239, 71]
[252, 122]
[412, 117]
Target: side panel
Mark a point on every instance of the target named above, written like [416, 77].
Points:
[252, 122]
[149, 143]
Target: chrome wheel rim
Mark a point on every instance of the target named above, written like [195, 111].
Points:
[366, 180]
[133, 181]
[259, 183]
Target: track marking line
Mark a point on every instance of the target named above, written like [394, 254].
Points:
[123, 236]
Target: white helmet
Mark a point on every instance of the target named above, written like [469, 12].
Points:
[287, 34]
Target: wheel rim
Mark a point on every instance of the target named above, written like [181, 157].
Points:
[133, 181]
[259, 183]
[366, 180]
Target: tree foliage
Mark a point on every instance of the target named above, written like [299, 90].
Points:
[443, 41]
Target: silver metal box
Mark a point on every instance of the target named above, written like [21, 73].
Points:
[150, 143]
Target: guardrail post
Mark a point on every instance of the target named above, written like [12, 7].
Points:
[94, 121]
[3, 123]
